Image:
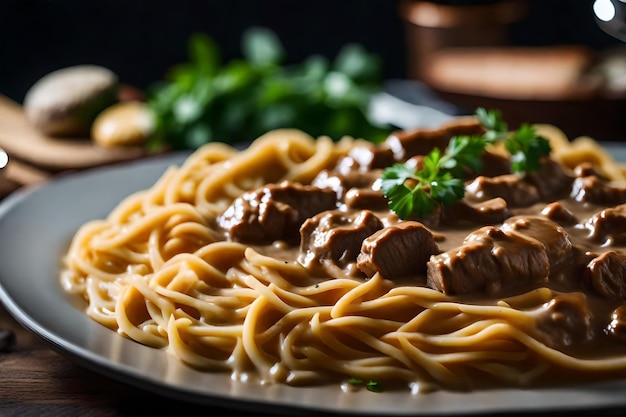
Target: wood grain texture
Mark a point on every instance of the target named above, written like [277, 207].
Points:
[22, 141]
[37, 381]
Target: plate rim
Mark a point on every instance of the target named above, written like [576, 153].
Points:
[276, 398]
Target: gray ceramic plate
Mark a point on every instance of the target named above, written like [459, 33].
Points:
[36, 226]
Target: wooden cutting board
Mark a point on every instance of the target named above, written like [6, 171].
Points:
[22, 141]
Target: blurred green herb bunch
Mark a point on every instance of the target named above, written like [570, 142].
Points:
[205, 100]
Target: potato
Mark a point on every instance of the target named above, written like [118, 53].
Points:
[127, 123]
[64, 103]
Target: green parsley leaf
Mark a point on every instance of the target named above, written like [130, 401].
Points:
[447, 190]
[355, 381]
[374, 386]
[440, 182]
[527, 149]
[395, 176]
[207, 99]
[464, 152]
[418, 193]
[371, 385]
[492, 121]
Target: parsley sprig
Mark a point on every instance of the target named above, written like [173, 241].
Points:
[419, 192]
[411, 192]
[524, 145]
[370, 385]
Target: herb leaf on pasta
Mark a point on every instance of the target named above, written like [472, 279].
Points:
[411, 192]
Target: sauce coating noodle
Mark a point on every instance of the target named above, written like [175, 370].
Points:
[157, 271]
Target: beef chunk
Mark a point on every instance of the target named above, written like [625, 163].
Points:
[365, 157]
[548, 183]
[357, 190]
[415, 162]
[512, 188]
[565, 320]
[494, 164]
[328, 179]
[617, 326]
[334, 237]
[397, 251]
[405, 144]
[592, 189]
[365, 199]
[341, 183]
[553, 236]
[608, 226]
[550, 180]
[485, 212]
[274, 212]
[491, 261]
[557, 212]
[586, 169]
[606, 274]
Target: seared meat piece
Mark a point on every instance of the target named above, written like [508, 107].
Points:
[552, 235]
[365, 157]
[341, 183]
[365, 198]
[485, 212]
[559, 213]
[512, 188]
[565, 320]
[415, 162]
[397, 251]
[593, 189]
[405, 144]
[332, 180]
[551, 180]
[608, 226]
[490, 260]
[335, 237]
[274, 212]
[495, 164]
[586, 169]
[355, 189]
[606, 274]
[617, 325]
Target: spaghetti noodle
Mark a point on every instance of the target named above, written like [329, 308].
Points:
[160, 271]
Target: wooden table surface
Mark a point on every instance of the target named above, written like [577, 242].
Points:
[37, 381]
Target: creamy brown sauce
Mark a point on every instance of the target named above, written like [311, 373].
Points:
[575, 318]
[563, 279]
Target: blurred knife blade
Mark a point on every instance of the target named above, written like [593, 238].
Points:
[410, 104]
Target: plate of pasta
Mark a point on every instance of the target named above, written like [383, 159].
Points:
[303, 273]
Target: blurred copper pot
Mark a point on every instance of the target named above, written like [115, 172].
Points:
[435, 25]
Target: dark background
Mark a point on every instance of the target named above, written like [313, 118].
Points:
[141, 39]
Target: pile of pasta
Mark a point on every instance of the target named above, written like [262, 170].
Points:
[156, 272]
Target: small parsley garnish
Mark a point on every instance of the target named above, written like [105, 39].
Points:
[524, 145]
[355, 381]
[419, 192]
[373, 386]
[370, 385]
[526, 149]
[412, 192]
